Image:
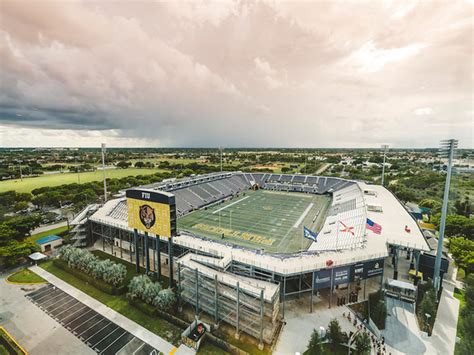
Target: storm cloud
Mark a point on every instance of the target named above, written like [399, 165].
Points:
[236, 73]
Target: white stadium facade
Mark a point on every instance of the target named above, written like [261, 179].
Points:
[252, 289]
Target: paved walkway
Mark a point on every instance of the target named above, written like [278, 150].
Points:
[137, 330]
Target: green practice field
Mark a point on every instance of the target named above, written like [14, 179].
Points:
[269, 220]
[31, 183]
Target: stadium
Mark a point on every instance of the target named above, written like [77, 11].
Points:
[239, 253]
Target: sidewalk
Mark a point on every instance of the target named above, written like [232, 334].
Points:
[137, 330]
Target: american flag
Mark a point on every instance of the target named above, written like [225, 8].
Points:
[374, 227]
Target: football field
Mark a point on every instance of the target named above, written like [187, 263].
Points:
[269, 220]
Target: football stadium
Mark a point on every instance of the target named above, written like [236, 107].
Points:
[244, 248]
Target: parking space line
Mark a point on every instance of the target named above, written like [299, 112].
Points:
[56, 292]
[141, 346]
[67, 309]
[57, 304]
[87, 320]
[104, 333]
[124, 333]
[84, 317]
[106, 337]
[99, 330]
[70, 317]
[40, 291]
[93, 325]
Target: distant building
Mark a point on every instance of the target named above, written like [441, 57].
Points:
[49, 243]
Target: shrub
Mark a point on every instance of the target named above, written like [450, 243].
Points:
[136, 287]
[81, 259]
[165, 299]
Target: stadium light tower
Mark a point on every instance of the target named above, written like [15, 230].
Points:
[103, 172]
[385, 148]
[220, 149]
[446, 151]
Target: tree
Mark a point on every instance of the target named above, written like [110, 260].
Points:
[463, 208]
[462, 250]
[139, 164]
[16, 250]
[123, 164]
[314, 346]
[334, 333]
[466, 320]
[433, 205]
[363, 343]
[456, 226]
[20, 206]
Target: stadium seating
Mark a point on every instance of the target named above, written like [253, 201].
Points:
[199, 191]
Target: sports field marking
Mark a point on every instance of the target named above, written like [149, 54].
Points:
[233, 203]
[303, 215]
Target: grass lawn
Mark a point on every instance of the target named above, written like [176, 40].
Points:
[31, 183]
[25, 276]
[459, 294]
[55, 231]
[120, 304]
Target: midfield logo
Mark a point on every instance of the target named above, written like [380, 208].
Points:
[147, 216]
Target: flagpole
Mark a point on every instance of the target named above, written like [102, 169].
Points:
[337, 234]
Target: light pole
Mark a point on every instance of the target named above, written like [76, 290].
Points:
[103, 172]
[446, 150]
[385, 148]
[21, 172]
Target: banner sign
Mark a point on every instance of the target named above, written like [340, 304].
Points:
[373, 268]
[322, 279]
[342, 275]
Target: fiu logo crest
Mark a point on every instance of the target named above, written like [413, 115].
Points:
[147, 216]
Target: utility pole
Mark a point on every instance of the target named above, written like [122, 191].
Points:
[103, 172]
[446, 150]
[385, 148]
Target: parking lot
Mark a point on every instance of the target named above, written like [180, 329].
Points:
[99, 333]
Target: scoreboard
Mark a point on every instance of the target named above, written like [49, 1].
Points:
[152, 211]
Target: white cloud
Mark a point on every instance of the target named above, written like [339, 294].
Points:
[424, 111]
[234, 73]
[370, 59]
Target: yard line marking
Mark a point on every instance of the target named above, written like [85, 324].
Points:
[303, 215]
[233, 203]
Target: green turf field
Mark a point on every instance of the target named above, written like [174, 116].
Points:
[261, 220]
[32, 183]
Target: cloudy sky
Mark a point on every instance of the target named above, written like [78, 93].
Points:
[236, 73]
